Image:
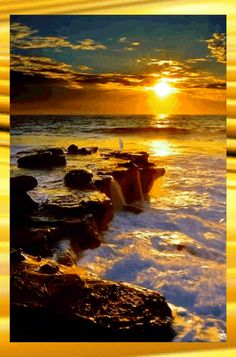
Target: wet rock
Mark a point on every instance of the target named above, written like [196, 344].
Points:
[65, 255]
[23, 183]
[103, 184]
[129, 181]
[135, 175]
[140, 158]
[49, 268]
[80, 179]
[43, 159]
[82, 231]
[149, 175]
[84, 308]
[83, 203]
[73, 149]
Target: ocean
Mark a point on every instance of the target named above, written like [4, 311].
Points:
[177, 246]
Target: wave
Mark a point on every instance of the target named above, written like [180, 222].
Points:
[145, 130]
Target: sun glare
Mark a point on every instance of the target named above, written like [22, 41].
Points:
[163, 88]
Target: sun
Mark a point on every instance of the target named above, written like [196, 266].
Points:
[163, 89]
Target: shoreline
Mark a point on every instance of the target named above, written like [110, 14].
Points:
[80, 218]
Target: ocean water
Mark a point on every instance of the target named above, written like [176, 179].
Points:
[177, 245]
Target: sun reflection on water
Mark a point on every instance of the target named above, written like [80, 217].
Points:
[160, 148]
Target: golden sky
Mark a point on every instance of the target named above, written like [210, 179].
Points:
[114, 64]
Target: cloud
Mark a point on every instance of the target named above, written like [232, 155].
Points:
[122, 40]
[89, 45]
[184, 74]
[181, 75]
[24, 37]
[197, 60]
[18, 31]
[130, 46]
[50, 69]
[84, 67]
[217, 46]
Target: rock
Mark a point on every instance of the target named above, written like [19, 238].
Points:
[129, 181]
[149, 175]
[73, 149]
[64, 254]
[103, 184]
[135, 175]
[34, 241]
[23, 183]
[88, 151]
[43, 159]
[82, 308]
[21, 204]
[82, 203]
[140, 158]
[80, 179]
[16, 256]
[82, 231]
[49, 268]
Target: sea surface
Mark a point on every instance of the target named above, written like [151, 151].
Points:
[177, 246]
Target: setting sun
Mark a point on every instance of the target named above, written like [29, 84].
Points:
[162, 89]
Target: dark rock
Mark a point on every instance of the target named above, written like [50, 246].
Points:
[49, 268]
[180, 247]
[82, 203]
[21, 204]
[129, 181]
[84, 308]
[23, 183]
[73, 149]
[88, 151]
[80, 179]
[34, 241]
[139, 158]
[43, 159]
[103, 184]
[16, 256]
[82, 231]
[149, 175]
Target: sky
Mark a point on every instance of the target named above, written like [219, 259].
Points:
[111, 64]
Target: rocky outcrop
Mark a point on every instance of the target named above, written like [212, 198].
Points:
[140, 158]
[74, 150]
[52, 303]
[42, 158]
[80, 179]
[134, 174]
[83, 203]
[21, 204]
[77, 306]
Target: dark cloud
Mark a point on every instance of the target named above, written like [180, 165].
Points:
[217, 46]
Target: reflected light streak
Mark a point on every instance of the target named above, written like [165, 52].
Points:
[160, 148]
